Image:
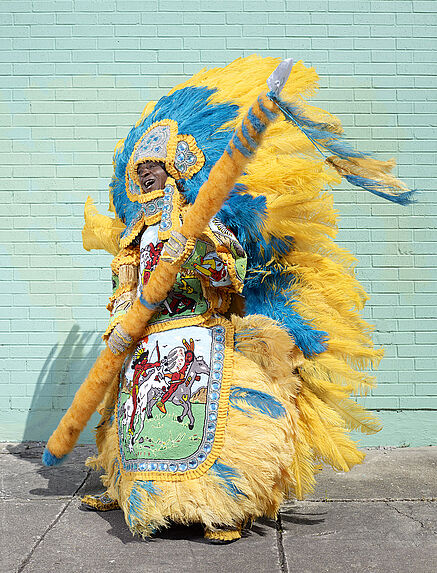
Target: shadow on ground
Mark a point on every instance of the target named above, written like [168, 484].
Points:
[27, 477]
[193, 533]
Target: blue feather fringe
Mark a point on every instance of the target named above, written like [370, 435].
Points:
[135, 500]
[264, 403]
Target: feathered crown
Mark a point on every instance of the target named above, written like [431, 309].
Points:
[189, 129]
[185, 132]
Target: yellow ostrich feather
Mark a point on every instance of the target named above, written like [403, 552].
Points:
[100, 231]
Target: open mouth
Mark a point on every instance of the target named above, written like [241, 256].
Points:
[149, 182]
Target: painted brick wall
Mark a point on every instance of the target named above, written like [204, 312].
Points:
[75, 76]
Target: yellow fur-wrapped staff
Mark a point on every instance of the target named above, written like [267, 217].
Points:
[211, 196]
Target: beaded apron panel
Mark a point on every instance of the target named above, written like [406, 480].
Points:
[173, 401]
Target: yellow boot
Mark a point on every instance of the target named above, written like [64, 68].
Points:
[222, 535]
[100, 502]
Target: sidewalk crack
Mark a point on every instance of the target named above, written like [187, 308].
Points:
[38, 542]
[280, 543]
[422, 525]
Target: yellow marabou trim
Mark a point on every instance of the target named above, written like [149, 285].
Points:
[179, 323]
[150, 195]
[127, 256]
[221, 417]
[230, 262]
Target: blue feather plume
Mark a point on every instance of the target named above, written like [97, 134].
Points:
[264, 403]
[323, 138]
[378, 188]
[227, 474]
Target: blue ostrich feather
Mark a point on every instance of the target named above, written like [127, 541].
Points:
[277, 305]
[382, 190]
[264, 403]
[226, 475]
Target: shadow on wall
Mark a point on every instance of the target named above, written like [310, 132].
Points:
[64, 370]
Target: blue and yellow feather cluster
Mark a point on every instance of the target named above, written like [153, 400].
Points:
[279, 210]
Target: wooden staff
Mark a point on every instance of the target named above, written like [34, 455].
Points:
[211, 197]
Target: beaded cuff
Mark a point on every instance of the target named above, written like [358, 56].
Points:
[119, 341]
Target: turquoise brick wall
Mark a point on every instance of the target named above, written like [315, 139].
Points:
[74, 77]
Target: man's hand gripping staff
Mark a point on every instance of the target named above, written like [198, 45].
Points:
[210, 199]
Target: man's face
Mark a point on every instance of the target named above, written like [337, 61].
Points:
[151, 175]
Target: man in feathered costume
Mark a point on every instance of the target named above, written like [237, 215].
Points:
[257, 343]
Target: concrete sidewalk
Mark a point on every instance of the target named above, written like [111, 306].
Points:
[382, 516]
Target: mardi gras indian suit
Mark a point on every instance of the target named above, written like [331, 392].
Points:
[239, 386]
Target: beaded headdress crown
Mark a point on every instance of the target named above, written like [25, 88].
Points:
[162, 143]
